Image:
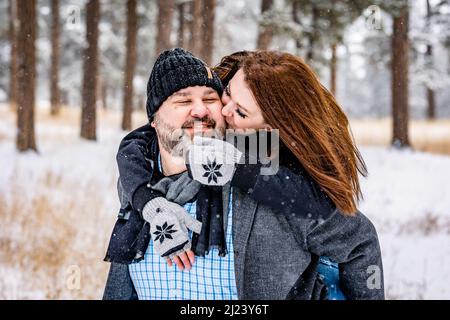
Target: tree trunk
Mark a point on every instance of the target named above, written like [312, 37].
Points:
[296, 19]
[448, 56]
[104, 95]
[98, 93]
[26, 54]
[431, 109]
[209, 10]
[13, 61]
[312, 36]
[181, 24]
[164, 27]
[188, 25]
[64, 98]
[196, 27]
[89, 98]
[400, 78]
[265, 33]
[333, 69]
[130, 64]
[55, 96]
[141, 102]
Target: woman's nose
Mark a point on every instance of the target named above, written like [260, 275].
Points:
[227, 110]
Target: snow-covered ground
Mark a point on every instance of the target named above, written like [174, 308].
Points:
[407, 196]
[57, 209]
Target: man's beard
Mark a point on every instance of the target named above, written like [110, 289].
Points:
[176, 141]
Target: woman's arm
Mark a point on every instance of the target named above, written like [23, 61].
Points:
[135, 166]
[352, 242]
[279, 181]
[291, 191]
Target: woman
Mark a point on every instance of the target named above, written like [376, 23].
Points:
[312, 127]
[266, 90]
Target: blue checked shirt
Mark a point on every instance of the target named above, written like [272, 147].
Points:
[210, 278]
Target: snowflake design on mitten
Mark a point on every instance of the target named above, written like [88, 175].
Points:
[163, 232]
[212, 170]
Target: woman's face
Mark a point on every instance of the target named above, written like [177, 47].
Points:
[239, 106]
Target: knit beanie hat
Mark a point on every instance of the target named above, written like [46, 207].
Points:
[174, 70]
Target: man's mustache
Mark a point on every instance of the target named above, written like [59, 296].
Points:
[205, 120]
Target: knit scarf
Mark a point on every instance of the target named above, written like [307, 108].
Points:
[181, 189]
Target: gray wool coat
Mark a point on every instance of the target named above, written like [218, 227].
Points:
[272, 250]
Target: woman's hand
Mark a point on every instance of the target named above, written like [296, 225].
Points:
[183, 260]
[169, 224]
[212, 161]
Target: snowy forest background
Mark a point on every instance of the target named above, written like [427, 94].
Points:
[64, 111]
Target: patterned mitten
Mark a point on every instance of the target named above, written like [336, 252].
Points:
[212, 161]
[169, 224]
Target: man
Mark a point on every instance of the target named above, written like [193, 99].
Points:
[183, 99]
[261, 254]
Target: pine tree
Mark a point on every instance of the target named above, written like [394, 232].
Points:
[196, 30]
[400, 78]
[13, 54]
[265, 32]
[431, 104]
[182, 24]
[90, 69]
[164, 25]
[209, 8]
[130, 64]
[55, 96]
[26, 80]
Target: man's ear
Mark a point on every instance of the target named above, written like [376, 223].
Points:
[153, 124]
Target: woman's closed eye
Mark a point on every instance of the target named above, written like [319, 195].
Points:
[240, 114]
[238, 111]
